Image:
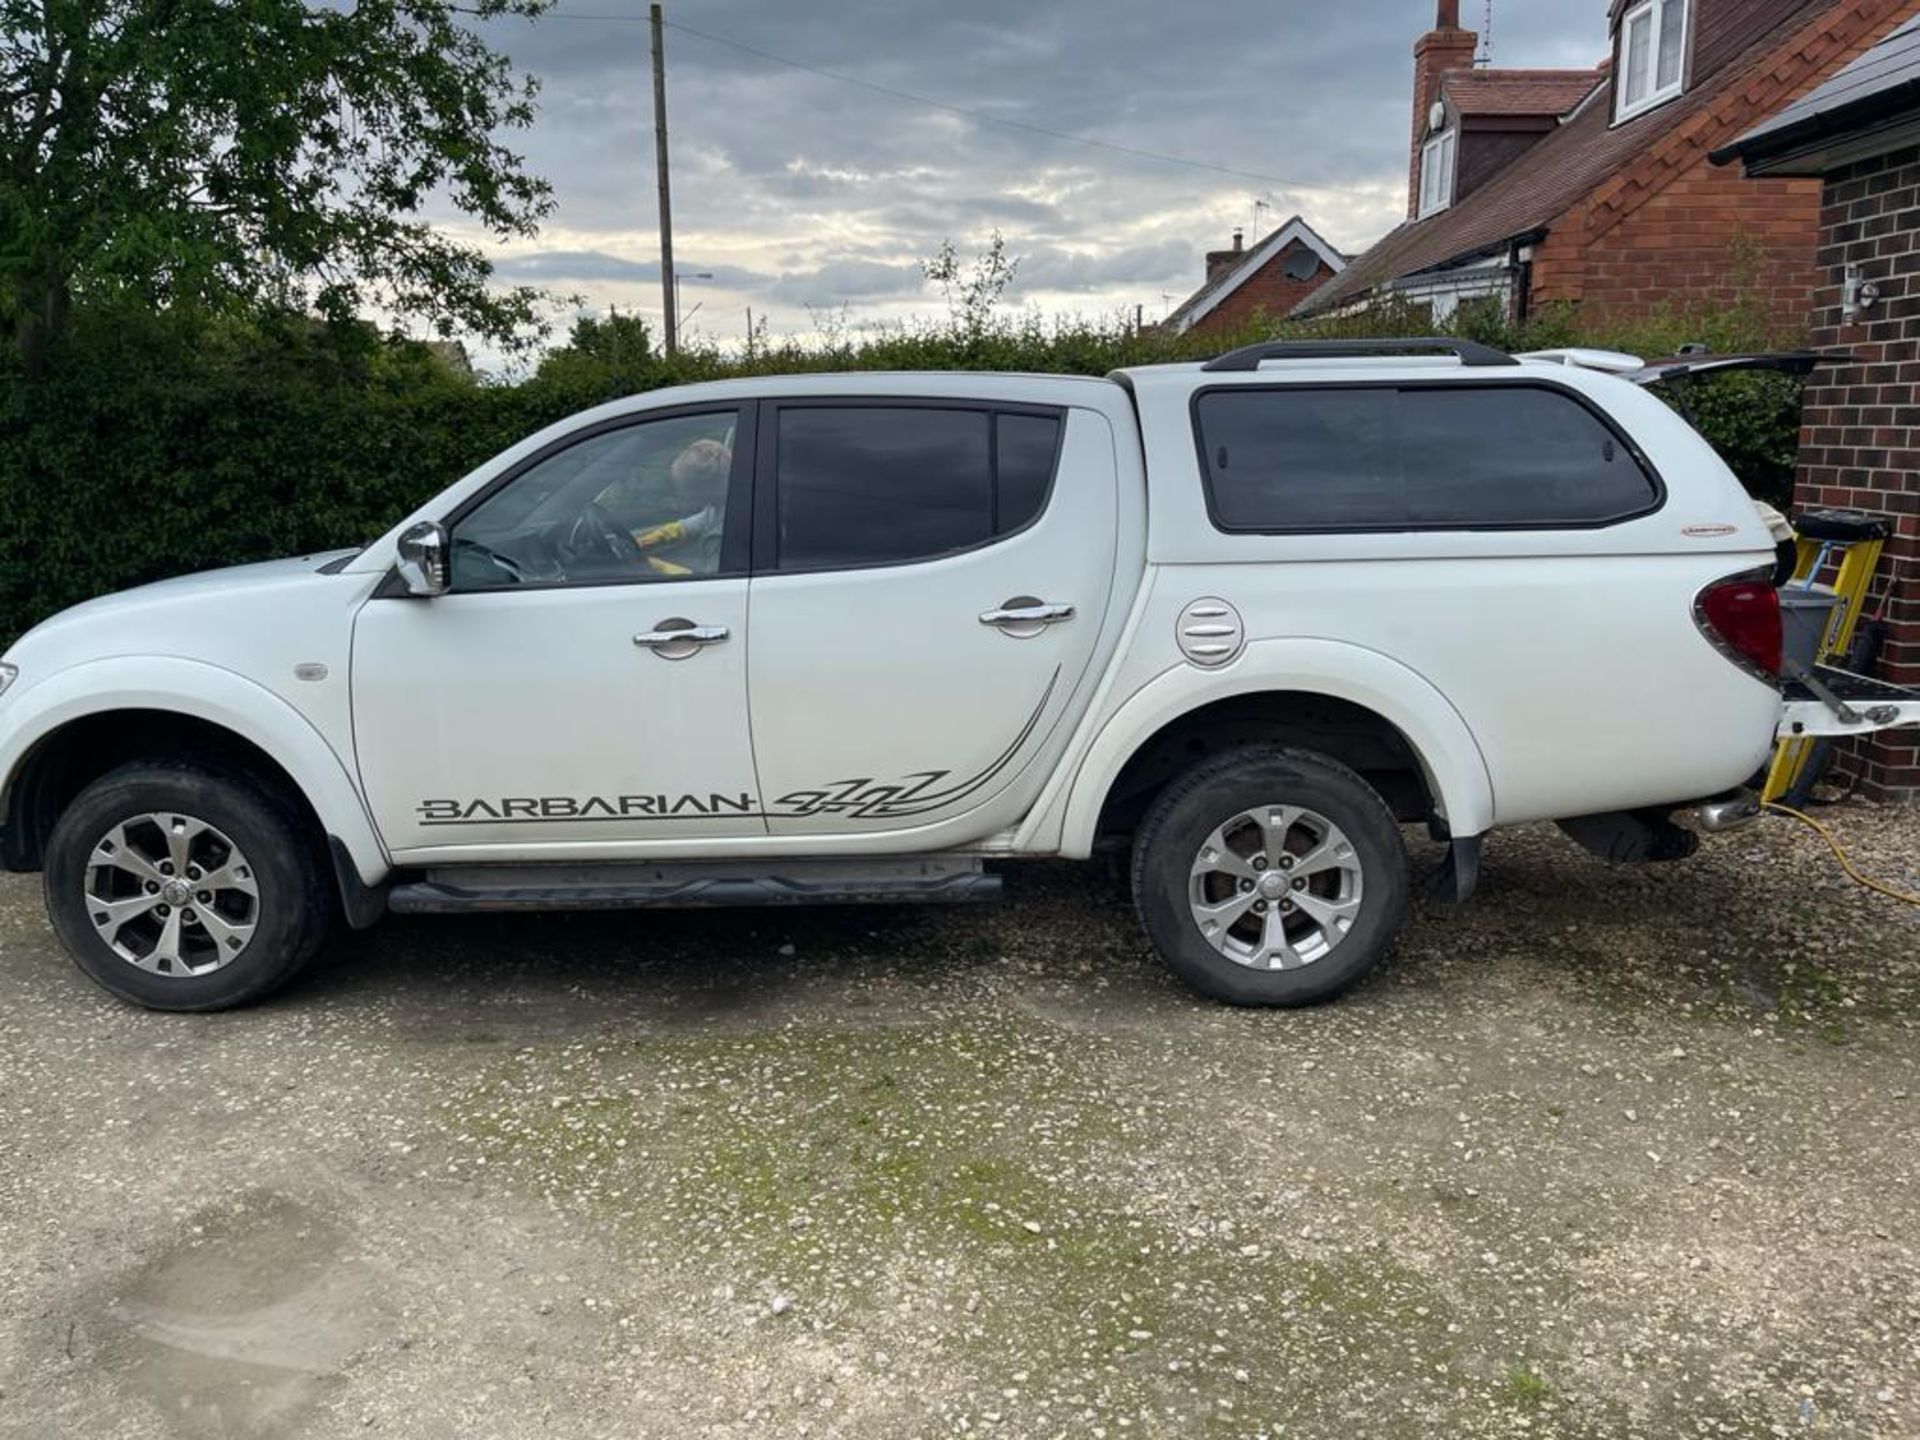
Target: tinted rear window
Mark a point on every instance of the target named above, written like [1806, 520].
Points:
[1027, 445]
[1415, 457]
[884, 484]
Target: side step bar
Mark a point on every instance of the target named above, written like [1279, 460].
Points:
[683, 884]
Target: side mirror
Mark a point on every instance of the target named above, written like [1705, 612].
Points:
[423, 559]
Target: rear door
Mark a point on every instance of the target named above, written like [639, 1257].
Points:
[929, 582]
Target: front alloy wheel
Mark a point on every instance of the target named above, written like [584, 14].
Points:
[182, 887]
[172, 894]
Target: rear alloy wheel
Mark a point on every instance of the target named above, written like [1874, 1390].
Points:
[183, 888]
[1269, 876]
[1276, 887]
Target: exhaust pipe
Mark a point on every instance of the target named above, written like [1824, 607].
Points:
[1729, 811]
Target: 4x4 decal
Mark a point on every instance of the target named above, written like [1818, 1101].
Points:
[862, 799]
[858, 798]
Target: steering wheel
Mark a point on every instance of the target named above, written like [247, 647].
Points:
[594, 529]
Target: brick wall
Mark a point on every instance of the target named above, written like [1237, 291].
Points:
[1708, 236]
[1672, 225]
[1268, 291]
[1860, 435]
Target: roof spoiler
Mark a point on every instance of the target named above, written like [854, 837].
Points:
[1784, 362]
[1690, 361]
[1613, 362]
[1248, 357]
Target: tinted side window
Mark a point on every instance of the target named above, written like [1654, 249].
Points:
[1389, 457]
[1301, 459]
[1516, 454]
[878, 485]
[1026, 445]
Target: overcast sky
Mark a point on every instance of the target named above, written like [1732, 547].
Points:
[804, 195]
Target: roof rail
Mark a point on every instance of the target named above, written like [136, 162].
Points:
[1248, 357]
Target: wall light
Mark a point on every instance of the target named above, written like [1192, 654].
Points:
[1856, 293]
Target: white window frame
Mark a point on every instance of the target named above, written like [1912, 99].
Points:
[1438, 195]
[1657, 94]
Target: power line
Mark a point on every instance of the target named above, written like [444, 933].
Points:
[979, 116]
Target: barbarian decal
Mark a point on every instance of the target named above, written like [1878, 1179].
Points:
[551, 809]
[860, 798]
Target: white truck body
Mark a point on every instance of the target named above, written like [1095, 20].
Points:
[866, 711]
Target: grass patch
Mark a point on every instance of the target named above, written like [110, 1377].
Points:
[974, 1191]
[1525, 1388]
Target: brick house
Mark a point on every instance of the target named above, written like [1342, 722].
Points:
[1595, 187]
[1858, 136]
[1282, 269]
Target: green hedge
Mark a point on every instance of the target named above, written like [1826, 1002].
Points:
[158, 445]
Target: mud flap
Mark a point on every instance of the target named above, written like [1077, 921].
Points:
[1453, 883]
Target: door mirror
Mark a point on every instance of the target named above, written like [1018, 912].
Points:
[423, 559]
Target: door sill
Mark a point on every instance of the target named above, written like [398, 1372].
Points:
[693, 884]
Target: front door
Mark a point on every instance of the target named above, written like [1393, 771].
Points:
[929, 583]
[582, 687]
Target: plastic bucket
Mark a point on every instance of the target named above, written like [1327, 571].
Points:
[1805, 613]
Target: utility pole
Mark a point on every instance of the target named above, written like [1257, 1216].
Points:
[668, 300]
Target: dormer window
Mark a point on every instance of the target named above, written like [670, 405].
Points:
[1653, 50]
[1436, 174]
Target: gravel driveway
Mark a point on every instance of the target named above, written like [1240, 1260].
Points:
[1613, 1152]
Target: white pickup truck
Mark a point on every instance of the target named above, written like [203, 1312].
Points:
[856, 637]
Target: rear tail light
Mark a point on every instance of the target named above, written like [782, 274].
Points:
[1740, 616]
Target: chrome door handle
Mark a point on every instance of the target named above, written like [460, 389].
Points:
[676, 638]
[1027, 612]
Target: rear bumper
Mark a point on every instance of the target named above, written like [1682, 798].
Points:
[1829, 701]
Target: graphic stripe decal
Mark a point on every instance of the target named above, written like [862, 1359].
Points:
[857, 798]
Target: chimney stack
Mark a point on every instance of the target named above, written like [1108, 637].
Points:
[1220, 261]
[1443, 48]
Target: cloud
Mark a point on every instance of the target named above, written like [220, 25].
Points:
[843, 281]
[548, 266]
[798, 191]
[1050, 268]
[836, 282]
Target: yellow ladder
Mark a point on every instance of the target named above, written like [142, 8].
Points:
[1849, 541]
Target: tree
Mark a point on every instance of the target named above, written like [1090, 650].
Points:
[603, 358]
[972, 291]
[228, 153]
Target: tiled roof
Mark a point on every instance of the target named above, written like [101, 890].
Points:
[1884, 79]
[1518, 92]
[1545, 182]
[1231, 277]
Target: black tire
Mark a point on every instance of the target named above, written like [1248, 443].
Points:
[1184, 817]
[291, 913]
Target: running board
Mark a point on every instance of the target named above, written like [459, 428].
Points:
[684, 884]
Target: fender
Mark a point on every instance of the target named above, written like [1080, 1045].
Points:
[1455, 769]
[206, 692]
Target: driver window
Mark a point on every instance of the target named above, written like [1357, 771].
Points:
[645, 502]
